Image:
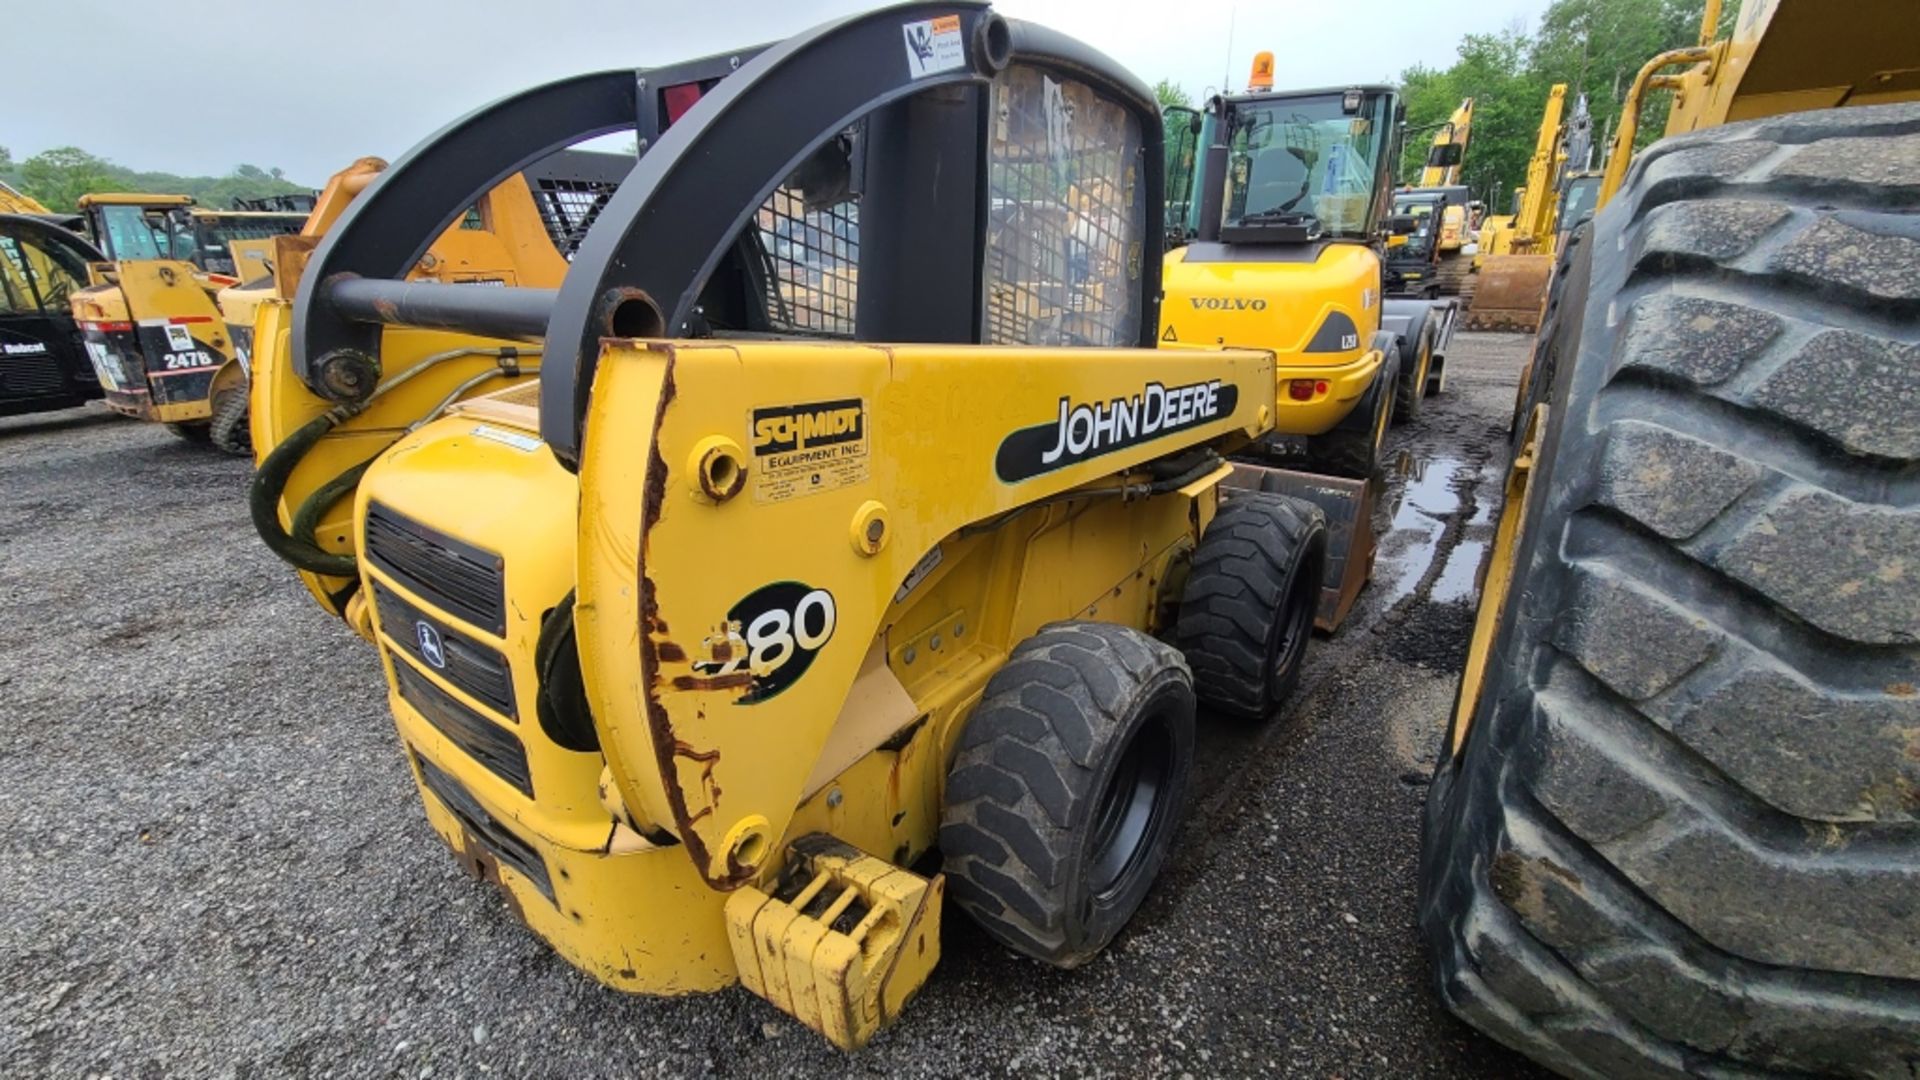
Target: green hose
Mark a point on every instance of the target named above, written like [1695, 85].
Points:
[299, 547]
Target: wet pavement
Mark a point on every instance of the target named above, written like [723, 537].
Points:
[212, 860]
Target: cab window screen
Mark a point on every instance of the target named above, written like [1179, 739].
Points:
[1065, 216]
[808, 234]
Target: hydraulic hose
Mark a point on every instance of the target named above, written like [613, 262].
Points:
[270, 483]
[297, 544]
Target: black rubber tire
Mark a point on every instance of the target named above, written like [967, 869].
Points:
[1352, 448]
[228, 430]
[1246, 613]
[1550, 344]
[1410, 390]
[193, 431]
[1683, 836]
[1076, 712]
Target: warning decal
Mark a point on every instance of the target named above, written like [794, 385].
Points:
[933, 46]
[179, 338]
[808, 448]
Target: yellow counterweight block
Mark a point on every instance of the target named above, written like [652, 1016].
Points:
[1317, 315]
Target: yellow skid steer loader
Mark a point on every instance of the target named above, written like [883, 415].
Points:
[826, 540]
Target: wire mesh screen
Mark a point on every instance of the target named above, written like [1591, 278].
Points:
[568, 208]
[813, 262]
[1066, 215]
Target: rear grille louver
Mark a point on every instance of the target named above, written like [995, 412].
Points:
[32, 376]
[478, 737]
[498, 840]
[474, 668]
[449, 574]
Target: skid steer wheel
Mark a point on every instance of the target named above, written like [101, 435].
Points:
[1064, 794]
[1410, 390]
[228, 428]
[1247, 611]
[1352, 448]
[1681, 835]
[194, 431]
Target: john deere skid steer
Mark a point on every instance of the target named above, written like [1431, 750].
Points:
[1676, 823]
[831, 510]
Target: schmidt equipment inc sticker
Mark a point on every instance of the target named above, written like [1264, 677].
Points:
[933, 46]
[808, 448]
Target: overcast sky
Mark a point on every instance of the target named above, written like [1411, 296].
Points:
[199, 86]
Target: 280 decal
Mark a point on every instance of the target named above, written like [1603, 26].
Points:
[770, 637]
[1090, 429]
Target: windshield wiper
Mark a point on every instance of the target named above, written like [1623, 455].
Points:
[1280, 215]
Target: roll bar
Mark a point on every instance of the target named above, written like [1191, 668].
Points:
[699, 179]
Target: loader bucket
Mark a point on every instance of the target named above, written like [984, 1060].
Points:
[1512, 292]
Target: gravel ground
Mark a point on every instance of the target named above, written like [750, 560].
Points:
[215, 865]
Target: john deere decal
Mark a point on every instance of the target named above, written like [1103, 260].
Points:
[1088, 430]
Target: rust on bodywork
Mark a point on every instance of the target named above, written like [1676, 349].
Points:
[735, 681]
[671, 652]
[667, 748]
[476, 860]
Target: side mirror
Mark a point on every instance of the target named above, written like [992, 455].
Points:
[1402, 225]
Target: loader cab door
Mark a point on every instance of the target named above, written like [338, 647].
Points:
[43, 363]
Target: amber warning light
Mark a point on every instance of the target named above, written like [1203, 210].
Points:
[1262, 77]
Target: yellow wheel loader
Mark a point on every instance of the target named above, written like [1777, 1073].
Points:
[797, 555]
[1286, 254]
[1674, 828]
[152, 324]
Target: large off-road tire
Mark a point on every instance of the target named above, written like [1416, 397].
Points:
[1352, 448]
[1551, 343]
[1064, 795]
[193, 431]
[1683, 835]
[1416, 364]
[1246, 614]
[228, 430]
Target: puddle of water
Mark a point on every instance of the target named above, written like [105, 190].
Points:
[1456, 581]
[1419, 508]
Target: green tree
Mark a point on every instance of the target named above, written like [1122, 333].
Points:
[1171, 93]
[1594, 46]
[1492, 70]
[58, 177]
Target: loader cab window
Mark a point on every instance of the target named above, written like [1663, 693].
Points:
[1581, 195]
[1306, 163]
[213, 236]
[126, 231]
[1426, 227]
[807, 237]
[36, 280]
[1065, 215]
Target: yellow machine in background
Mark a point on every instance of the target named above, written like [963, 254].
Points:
[711, 609]
[1446, 163]
[150, 317]
[1516, 251]
[1673, 827]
